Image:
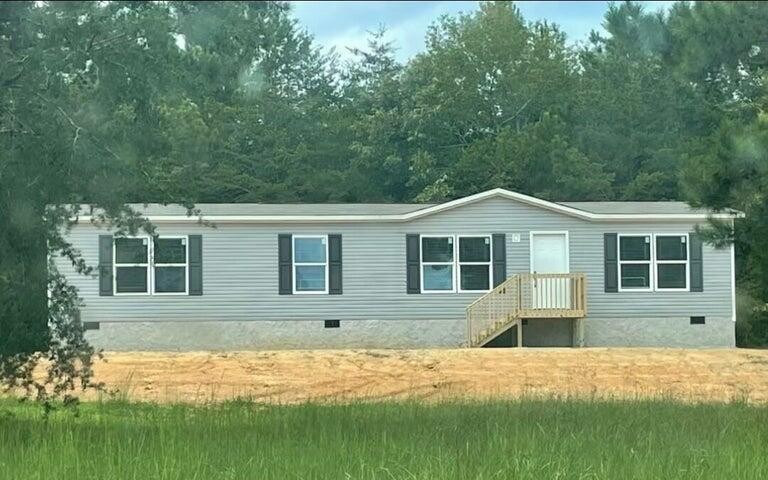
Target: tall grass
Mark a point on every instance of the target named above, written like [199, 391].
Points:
[500, 440]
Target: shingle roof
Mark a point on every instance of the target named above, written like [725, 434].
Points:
[321, 209]
[330, 212]
[629, 208]
[278, 209]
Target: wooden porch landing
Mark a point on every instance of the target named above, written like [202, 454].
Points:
[525, 296]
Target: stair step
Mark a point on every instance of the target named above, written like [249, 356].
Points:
[498, 325]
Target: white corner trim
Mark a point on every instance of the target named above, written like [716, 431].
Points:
[496, 192]
[733, 281]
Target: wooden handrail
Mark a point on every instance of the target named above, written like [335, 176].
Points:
[496, 289]
[525, 295]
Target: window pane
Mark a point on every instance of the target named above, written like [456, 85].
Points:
[310, 250]
[170, 279]
[671, 248]
[170, 250]
[635, 248]
[635, 276]
[438, 277]
[437, 249]
[131, 250]
[131, 279]
[310, 278]
[474, 249]
[474, 277]
[671, 276]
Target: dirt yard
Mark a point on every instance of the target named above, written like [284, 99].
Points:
[328, 375]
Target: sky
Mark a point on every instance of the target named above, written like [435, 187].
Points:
[345, 24]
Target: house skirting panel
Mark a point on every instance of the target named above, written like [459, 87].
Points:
[276, 335]
[673, 332]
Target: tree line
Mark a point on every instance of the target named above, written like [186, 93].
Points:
[179, 102]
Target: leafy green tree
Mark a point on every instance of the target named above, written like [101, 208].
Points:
[57, 64]
[374, 103]
[260, 105]
[721, 51]
[537, 160]
[722, 48]
[482, 73]
[632, 114]
[730, 169]
[114, 102]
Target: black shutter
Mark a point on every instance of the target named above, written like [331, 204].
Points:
[105, 265]
[611, 262]
[195, 264]
[285, 263]
[334, 264]
[499, 258]
[412, 259]
[697, 264]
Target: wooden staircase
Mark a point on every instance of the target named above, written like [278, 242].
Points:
[524, 296]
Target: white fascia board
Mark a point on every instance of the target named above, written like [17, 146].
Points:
[392, 218]
[668, 217]
[263, 218]
[497, 192]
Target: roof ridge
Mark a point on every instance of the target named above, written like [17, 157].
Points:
[403, 212]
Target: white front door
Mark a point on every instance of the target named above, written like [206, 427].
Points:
[549, 254]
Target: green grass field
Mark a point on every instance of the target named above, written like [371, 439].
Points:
[517, 439]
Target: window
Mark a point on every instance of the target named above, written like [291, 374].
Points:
[310, 263]
[437, 259]
[653, 262]
[444, 264]
[474, 263]
[131, 265]
[168, 257]
[672, 262]
[635, 262]
[170, 265]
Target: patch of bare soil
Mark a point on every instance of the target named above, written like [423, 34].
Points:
[344, 375]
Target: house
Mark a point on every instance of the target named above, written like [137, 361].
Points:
[493, 269]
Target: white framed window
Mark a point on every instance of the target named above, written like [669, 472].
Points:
[635, 263]
[310, 264]
[672, 262]
[475, 267]
[141, 266]
[170, 260]
[130, 265]
[438, 257]
[654, 262]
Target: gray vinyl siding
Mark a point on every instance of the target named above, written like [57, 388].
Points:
[240, 271]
